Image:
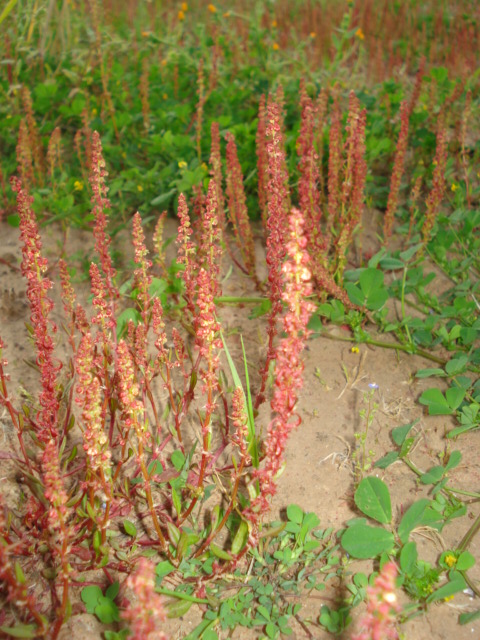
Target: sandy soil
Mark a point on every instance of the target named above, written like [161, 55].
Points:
[319, 471]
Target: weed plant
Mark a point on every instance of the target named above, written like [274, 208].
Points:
[141, 455]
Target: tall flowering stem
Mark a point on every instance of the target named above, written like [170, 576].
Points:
[145, 613]
[33, 268]
[186, 252]
[262, 161]
[95, 439]
[288, 364]
[308, 191]
[334, 164]
[437, 191]
[216, 173]
[398, 167]
[142, 276]
[353, 186]
[276, 224]
[378, 623]
[60, 534]
[237, 209]
[208, 343]
[101, 206]
[136, 425]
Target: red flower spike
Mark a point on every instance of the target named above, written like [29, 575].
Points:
[397, 172]
[33, 266]
[145, 613]
[378, 623]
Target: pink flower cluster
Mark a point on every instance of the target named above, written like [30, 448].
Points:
[90, 397]
[146, 615]
[33, 268]
[378, 623]
[288, 364]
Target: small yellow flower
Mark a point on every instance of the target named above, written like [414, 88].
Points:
[182, 164]
[145, 34]
[274, 24]
[184, 7]
[77, 185]
[165, 96]
[164, 63]
[450, 559]
[355, 350]
[359, 33]
[454, 187]
[448, 598]
[139, 188]
[227, 14]
[275, 46]
[313, 35]
[434, 163]
[181, 15]
[94, 112]
[212, 8]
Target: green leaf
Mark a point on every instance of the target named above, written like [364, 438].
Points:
[456, 584]
[400, 433]
[466, 618]
[454, 397]
[433, 475]
[373, 499]
[178, 459]
[408, 557]
[387, 460]
[177, 503]
[241, 537]
[252, 439]
[130, 528]
[163, 569]
[220, 553]
[427, 373]
[454, 460]
[163, 198]
[90, 596]
[371, 283]
[107, 611]
[412, 518]
[465, 561]
[124, 318]
[5, 13]
[436, 402]
[112, 590]
[456, 365]
[362, 541]
[295, 513]
[177, 608]
[263, 611]
[21, 631]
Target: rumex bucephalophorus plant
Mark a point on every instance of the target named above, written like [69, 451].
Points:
[97, 444]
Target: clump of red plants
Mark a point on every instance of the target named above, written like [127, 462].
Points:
[148, 420]
[143, 422]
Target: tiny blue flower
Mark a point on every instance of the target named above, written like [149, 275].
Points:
[373, 385]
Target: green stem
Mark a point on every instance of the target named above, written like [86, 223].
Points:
[180, 595]
[468, 537]
[239, 300]
[387, 345]
[404, 279]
